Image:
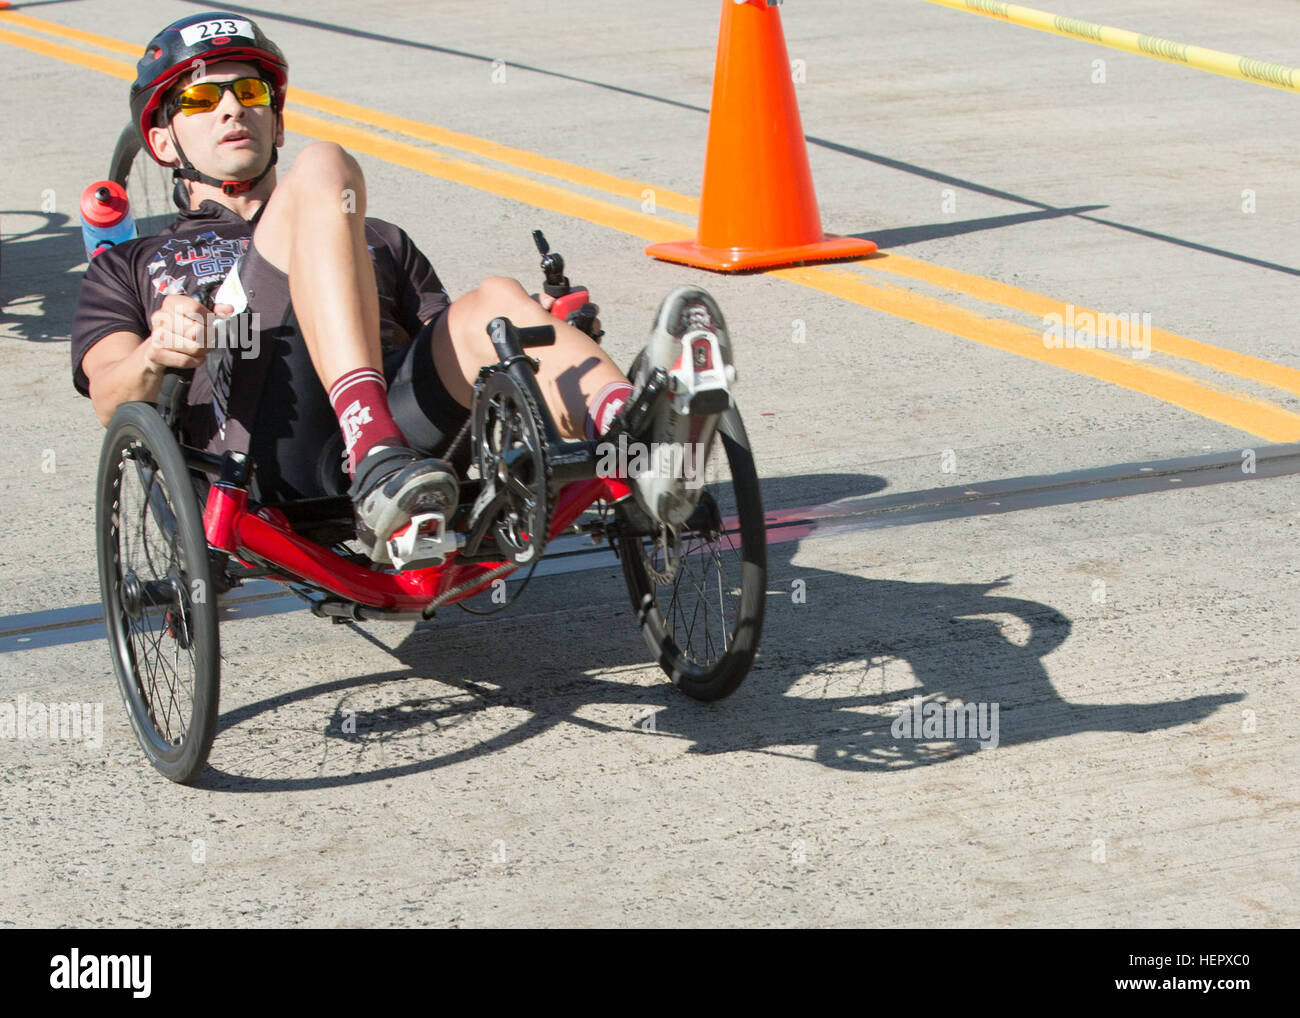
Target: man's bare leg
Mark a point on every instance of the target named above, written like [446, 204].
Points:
[313, 230]
[572, 372]
[316, 217]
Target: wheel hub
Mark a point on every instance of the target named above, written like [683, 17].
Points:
[132, 596]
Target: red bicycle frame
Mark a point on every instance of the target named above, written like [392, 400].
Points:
[231, 528]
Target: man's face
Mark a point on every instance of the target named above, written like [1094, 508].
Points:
[232, 142]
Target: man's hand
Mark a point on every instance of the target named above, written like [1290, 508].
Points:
[180, 329]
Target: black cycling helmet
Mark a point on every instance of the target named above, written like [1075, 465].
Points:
[171, 53]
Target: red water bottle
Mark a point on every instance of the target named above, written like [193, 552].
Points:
[106, 218]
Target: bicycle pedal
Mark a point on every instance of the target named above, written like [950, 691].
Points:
[422, 543]
[700, 381]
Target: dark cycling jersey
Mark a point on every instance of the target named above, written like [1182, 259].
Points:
[125, 285]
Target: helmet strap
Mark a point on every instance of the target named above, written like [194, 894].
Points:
[230, 188]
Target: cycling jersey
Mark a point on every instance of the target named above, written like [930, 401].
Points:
[126, 284]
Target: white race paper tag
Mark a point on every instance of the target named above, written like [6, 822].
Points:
[231, 291]
[211, 29]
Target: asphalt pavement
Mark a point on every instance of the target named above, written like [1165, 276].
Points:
[1095, 548]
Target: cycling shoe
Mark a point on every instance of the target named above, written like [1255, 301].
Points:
[689, 342]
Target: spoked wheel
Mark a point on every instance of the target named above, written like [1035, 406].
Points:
[159, 603]
[149, 185]
[700, 593]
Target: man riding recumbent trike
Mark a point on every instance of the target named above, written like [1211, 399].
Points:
[377, 448]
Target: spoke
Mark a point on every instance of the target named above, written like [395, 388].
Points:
[722, 612]
[158, 668]
[690, 636]
[178, 686]
[149, 660]
[164, 708]
[146, 487]
[172, 698]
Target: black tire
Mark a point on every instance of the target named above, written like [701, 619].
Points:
[159, 602]
[720, 583]
[149, 186]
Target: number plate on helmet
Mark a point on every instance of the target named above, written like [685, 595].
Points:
[192, 34]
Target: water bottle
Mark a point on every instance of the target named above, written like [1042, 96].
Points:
[106, 217]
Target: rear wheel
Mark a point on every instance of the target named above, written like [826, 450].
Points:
[700, 594]
[149, 185]
[156, 584]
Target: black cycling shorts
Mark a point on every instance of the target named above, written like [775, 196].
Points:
[297, 448]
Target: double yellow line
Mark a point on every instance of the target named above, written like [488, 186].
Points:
[865, 283]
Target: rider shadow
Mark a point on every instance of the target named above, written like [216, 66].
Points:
[38, 287]
[837, 666]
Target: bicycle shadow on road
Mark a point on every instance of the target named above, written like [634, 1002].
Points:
[837, 666]
[843, 656]
[38, 285]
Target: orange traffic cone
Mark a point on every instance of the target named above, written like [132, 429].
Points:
[757, 206]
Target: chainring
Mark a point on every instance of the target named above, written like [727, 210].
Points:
[511, 455]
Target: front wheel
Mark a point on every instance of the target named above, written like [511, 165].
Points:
[156, 582]
[700, 594]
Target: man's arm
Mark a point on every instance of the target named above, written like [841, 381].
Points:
[123, 366]
[119, 372]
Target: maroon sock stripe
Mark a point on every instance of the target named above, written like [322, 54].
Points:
[352, 378]
[605, 406]
[360, 402]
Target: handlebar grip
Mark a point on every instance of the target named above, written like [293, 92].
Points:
[171, 396]
[509, 340]
[583, 318]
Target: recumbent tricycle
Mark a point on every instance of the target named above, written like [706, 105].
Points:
[177, 529]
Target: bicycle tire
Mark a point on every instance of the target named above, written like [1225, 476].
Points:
[662, 626]
[159, 600]
[149, 185]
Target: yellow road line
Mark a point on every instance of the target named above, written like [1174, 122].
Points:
[498, 153]
[63, 31]
[1230, 362]
[518, 158]
[982, 288]
[484, 178]
[93, 61]
[494, 181]
[1234, 410]
[1242, 412]
[1258, 72]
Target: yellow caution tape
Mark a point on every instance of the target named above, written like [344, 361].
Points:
[1260, 72]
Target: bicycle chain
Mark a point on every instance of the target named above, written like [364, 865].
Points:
[487, 577]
